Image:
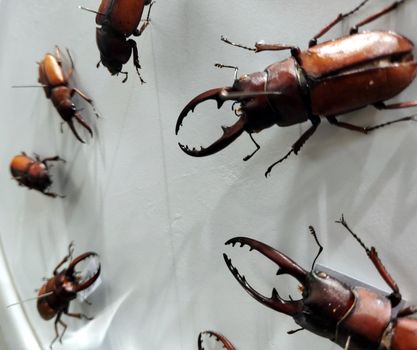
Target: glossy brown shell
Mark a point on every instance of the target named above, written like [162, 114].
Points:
[50, 72]
[405, 334]
[43, 306]
[20, 165]
[124, 15]
[339, 54]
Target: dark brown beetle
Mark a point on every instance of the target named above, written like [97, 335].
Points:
[220, 338]
[56, 294]
[33, 173]
[55, 83]
[328, 79]
[355, 318]
[119, 19]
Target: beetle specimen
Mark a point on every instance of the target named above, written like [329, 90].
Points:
[33, 173]
[119, 19]
[56, 86]
[326, 80]
[220, 338]
[352, 317]
[57, 293]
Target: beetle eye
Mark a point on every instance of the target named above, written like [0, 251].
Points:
[322, 274]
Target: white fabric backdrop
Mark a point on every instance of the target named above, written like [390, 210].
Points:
[158, 218]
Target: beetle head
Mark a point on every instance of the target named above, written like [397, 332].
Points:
[325, 300]
[219, 338]
[71, 282]
[250, 105]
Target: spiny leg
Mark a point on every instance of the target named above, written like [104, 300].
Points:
[66, 258]
[299, 143]
[372, 18]
[368, 129]
[86, 98]
[395, 296]
[338, 19]
[136, 63]
[57, 319]
[249, 156]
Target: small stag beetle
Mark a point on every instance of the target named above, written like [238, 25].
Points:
[119, 19]
[326, 80]
[33, 173]
[355, 318]
[55, 83]
[56, 294]
[219, 338]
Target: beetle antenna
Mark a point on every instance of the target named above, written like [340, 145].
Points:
[90, 10]
[34, 298]
[313, 232]
[219, 65]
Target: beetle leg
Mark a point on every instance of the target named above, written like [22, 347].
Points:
[249, 156]
[338, 19]
[57, 319]
[53, 159]
[65, 328]
[395, 296]
[78, 315]
[72, 65]
[407, 311]
[147, 21]
[136, 63]
[66, 258]
[372, 18]
[408, 104]
[86, 98]
[58, 55]
[295, 148]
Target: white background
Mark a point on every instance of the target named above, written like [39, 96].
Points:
[159, 218]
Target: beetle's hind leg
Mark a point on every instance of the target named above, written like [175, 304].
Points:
[395, 296]
[372, 18]
[58, 320]
[315, 120]
[338, 19]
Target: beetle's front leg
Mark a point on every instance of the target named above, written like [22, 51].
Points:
[53, 159]
[249, 156]
[86, 98]
[78, 315]
[136, 63]
[66, 258]
[315, 120]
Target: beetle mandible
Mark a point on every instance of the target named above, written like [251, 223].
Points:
[55, 83]
[58, 291]
[219, 338]
[118, 20]
[355, 318]
[33, 172]
[326, 80]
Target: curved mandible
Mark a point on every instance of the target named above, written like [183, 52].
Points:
[226, 343]
[230, 133]
[70, 271]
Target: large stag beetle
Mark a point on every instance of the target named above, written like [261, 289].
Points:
[226, 344]
[33, 173]
[119, 19]
[355, 318]
[326, 80]
[56, 294]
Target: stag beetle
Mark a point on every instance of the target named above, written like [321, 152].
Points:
[56, 294]
[352, 317]
[55, 83]
[220, 338]
[33, 173]
[119, 19]
[328, 79]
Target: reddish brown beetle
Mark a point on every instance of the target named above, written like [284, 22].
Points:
[220, 338]
[33, 173]
[56, 294]
[328, 79]
[55, 83]
[352, 317]
[119, 19]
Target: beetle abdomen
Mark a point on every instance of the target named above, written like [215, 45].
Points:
[343, 53]
[50, 73]
[125, 15]
[358, 88]
[44, 309]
